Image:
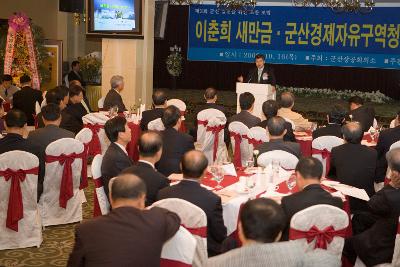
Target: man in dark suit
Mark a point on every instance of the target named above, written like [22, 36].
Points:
[270, 109]
[160, 103]
[354, 164]
[85, 102]
[113, 97]
[129, 235]
[75, 108]
[336, 118]
[26, 98]
[246, 101]
[385, 140]
[150, 150]
[75, 73]
[276, 129]
[358, 112]
[175, 143]
[376, 245]
[194, 167]
[15, 121]
[116, 157]
[262, 73]
[308, 176]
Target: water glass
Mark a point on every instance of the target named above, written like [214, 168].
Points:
[276, 165]
[218, 175]
[251, 184]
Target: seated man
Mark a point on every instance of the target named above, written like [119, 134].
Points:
[354, 164]
[287, 103]
[270, 109]
[308, 176]
[75, 108]
[85, 102]
[194, 167]
[358, 112]
[246, 101]
[113, 97]
[385, 140]
[116, 157]
[129, 235]
[160, 103]
[276, 129]
[260, 227]
[59, 96]
[376, 245]
[335, 118]
[175, 144]
[7, 89]
[150, 150]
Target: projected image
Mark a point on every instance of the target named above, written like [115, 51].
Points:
[114, 15]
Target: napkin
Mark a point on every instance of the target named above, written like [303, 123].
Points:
[229, 169]
[352, 191]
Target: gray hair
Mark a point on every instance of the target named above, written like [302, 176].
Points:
[393, 159]
[116, 80]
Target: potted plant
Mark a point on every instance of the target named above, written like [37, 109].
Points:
[174, 64]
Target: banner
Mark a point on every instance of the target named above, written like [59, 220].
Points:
[290, 35]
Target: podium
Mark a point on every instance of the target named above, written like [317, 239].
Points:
[261, 92]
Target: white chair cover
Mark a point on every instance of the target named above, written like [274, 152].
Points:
[192, 218]
[100, 103]
[291, 122]
[102, 199]
[100, 119]
[325, 143]
[392, 123]
[49, 203]
[85, 136]
[379, 186]
[37, 108]
[287, 161]
[177, 103]
[375, 123]
[215, 125]
[242, 131]
[156, 125]
[66, 81]
[44, 103]
[321, 216]
[202, 120]
[259, 134]
[30, 226]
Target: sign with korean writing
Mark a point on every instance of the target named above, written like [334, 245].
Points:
[289, 35]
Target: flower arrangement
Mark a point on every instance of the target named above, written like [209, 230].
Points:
[174, 63]
[91, 68]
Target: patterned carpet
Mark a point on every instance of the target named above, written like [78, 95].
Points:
[56, 246]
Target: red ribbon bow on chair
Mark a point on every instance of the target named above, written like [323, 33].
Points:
[204, 123]
[96, 206]
[323, 237]
[215, 130]
[326, 154]
[200, 231]
[253, 141]
[237, 154]
[94, 145]
[15, 210]
[182, 129]
[66, 187]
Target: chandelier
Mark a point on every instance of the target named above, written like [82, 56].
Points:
[236, 4]
[361, 6]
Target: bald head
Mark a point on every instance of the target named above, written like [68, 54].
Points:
[127, 187]
[276, 126]
[194, 163]
[150, 143]
[159, 97]
[210, 93]
[352, 132]
[287, 100]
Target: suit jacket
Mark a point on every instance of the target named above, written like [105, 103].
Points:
[115, 160]
[246, 118]
[74, 120]
[291, 147]
[25, 100]
[376, 245]
[385, 140]
[267, 76]
[72, 75]
[44, 136]
[68, 122]
[311, 195]
[354, 164]
[124, 237]
[154, 180]
[329, 130]
[282, 254]
[299, 121]
[209, 202]
[149, 115]
[364, 115]
[113, 98]
[12, 142]
[175, 144]
[288, 137]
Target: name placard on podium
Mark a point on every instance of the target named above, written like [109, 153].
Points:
[261, 92]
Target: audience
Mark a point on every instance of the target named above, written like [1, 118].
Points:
[245, 116]
[276, 127]
[7, 89]
[150, 150]
[376, 245]
[358, 112]
[194, 167]
[160, 103]
[26, 98]
[261, 222]
[129, 235]
[308, 177]
[85, 102]
[335, 118]
[175, 143]
[270, 109]
[75, 108]
[286, 112]
[116, 157]
[113, 97]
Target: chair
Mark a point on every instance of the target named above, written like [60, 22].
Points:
[320, 227]
[66, 81]
[21, 224]
[60, 202]
[213, 145]
[291, 122]
[182, 108]
[375, 123]
[85, 136]
[392, 123]
[287, 160]
[37, 108]
[321, 149]
[100, 103]
[202, 120]
[240, 139]
[101, 206]
[156, 125]
[193, 219]
[259, 135]
[95, 122]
